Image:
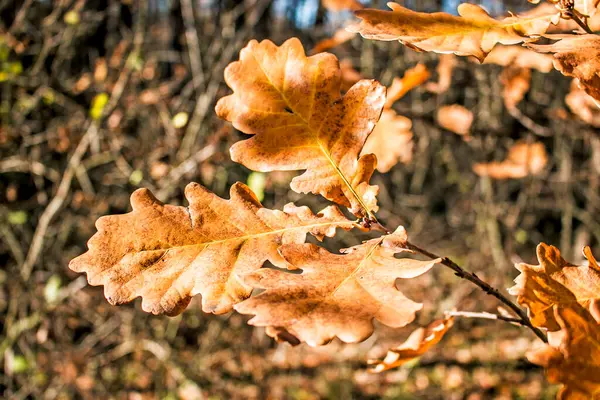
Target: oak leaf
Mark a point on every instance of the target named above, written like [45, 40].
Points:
[444, 69]
[336, 295]
[555, 282]
[349, 75]
[582, 105]
[519, 57]
[291, 104]
[523, 159]
[417, 344]
[573, 354]
[577, 56]
[339, 37]
[391, 141]
[412, 78]
[455, 118]
[474, 33]
[167, 254]
[516, 82]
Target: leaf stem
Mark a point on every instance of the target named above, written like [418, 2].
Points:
[523, 319]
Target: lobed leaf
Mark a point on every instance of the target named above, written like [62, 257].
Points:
[577, 56]
[556, 283]
[474, 33]
[418, 343]
[573, 354]
[292, 105]
[168, 254]
[523, 159]
[335, 295]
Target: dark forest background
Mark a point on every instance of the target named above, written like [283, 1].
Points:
[98, 98]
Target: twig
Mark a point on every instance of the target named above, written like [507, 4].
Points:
[57, 201]
[483, 315]
[193, 45]
[486, 287]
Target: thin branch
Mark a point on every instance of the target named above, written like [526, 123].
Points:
[486, 287]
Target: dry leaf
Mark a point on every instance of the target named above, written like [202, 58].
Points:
[555, 282]
[292, 106]
[560, 25]
[412, 78]
[474, 33]
[516, 83]
[573, 356]
[339, 37]
[583, 105]
[523, 159]
[417, 344]
[336, 295]
[391, 141]
[455, 118]
[444, 70]
[167, 254]
[519, 57]
[578, 57]
[340, 5]
[349, 75]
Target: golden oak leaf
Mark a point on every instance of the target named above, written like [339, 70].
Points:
[340, 5]
[444, 70]
[573, 354]
[349, 75]
[455, 118]
[339, 37]
[516, 82]
[555, 282]
[519, 57]
[412, 78]
[418, 343]
[523, 159]
[577, 56]
[336, 295]
[582, 105]
[474, 33]
[167, 254]
[292, 105]
[391, 141]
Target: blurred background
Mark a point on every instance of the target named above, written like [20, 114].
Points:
[98, 98]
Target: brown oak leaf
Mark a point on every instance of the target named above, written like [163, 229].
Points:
[292, 106]
[418, 343]
[339, 37]
[582, 105]
[444, 70]
[523, 159]
[573, 354]
[336, 295]
[555, 282]
[168, 254]
[455, 118]
[474, 33]
[519, 57]
[577, 56]
[412, 78]
[391, 141]
[516, 82]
